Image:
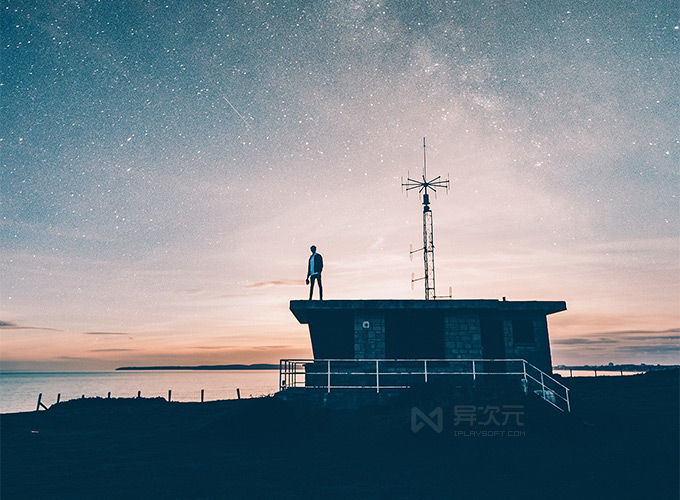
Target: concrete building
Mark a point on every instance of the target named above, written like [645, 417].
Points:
[429, 329]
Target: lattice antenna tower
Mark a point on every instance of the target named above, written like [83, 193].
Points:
[424, 186]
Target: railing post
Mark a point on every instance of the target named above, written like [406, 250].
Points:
[474, 370]
[425, 363]
[377, 376]
[280, 375]
[542, 385]
[568, 403]
[329, 375]
[524, 369]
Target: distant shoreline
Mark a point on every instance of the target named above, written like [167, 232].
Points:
[625, 367]
[260, 366]
[268, 366]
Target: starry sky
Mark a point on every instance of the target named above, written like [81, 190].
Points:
[167, 164]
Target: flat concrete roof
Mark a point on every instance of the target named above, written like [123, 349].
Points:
[302, 308]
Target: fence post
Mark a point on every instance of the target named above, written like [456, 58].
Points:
[328, 384]
[37, 408]
[238, 393]
[139, 394]
[202, 394]
[169, 395]
[108, 396]
[425, 363]
[474, 370]
[58, 398]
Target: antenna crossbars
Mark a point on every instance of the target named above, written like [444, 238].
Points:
[424, 186]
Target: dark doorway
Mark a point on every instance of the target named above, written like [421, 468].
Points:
[493, 342]
[332, 335]
[414, 335]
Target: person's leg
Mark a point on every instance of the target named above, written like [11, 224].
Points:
[318, 277]
[311, 286]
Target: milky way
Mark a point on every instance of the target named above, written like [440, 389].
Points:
[166, 165]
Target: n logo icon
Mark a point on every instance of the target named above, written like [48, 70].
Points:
[435, 419]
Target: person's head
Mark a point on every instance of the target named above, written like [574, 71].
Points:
[313, 249]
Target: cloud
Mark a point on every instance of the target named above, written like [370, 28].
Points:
[106, 333]
[266, 284]
[582, 341]
[213, 347]
[7, 325]
[254, 348]
[111, 350]
[647, 338]
[622, 336]
[637, 332]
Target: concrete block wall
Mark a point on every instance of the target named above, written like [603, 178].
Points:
[538, 353]
[508, 339]
[369, 343]
[462, 337]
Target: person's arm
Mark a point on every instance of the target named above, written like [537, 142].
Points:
[320, 263]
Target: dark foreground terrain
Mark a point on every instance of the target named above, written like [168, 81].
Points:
[620, 442]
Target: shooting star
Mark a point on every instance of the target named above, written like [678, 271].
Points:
[236, 110]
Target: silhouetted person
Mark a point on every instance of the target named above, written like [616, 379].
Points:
[314, 267]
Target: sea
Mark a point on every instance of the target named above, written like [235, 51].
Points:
[19, 391]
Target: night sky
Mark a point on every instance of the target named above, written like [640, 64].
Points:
[166, 166]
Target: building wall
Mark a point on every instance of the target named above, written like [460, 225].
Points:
[536, 352]
[369, 343]
[462, 337]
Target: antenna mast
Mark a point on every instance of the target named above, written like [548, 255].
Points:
[428, 241]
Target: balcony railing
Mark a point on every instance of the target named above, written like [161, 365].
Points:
[382, 374]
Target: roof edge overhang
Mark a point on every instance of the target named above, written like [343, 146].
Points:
[303, 309]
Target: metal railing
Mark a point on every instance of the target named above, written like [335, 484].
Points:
[381, 374]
